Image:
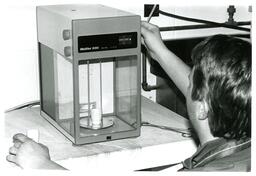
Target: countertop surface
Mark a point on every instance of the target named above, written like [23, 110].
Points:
[152, 141]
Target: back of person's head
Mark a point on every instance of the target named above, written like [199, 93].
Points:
[222, 77]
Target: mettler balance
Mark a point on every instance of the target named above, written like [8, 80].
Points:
[89, 63]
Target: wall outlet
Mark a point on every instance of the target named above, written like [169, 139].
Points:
[148, 8]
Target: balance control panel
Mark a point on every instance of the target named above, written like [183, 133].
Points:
[107, 42]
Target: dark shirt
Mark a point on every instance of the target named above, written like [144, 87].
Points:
[221, 155]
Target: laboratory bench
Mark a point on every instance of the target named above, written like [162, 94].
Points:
[154, 147]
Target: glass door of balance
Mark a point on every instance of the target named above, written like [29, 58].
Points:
[108, 95]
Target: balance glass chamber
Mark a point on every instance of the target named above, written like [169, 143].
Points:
[90, 76]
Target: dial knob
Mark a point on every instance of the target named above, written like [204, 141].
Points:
[67, 51]
[66, 34]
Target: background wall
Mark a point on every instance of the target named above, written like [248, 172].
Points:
[19, 66]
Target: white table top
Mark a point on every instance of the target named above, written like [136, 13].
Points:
[154, 147]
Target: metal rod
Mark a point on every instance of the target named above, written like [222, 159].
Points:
[144, 68]
[144, 84]
[114, 88]
[88, 77]
[101, 109]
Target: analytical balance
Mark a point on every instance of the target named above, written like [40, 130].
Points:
[89, 64]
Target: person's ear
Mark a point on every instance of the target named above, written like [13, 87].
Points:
[203, 110]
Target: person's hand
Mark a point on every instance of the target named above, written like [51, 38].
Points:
[26, 153]
[152, 40]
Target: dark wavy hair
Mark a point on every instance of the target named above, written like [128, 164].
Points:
[222, 77]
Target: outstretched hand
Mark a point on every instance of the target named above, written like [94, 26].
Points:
[29, 154]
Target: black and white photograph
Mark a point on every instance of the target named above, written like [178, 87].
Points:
[127, 87]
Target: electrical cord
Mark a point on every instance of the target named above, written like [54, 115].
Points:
[24, 105]
[183, 132]
[160, 168]
[203, 21]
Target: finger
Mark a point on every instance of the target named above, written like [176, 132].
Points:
[143, 31]
[11, 158]
[13, 150]
[142, 41]
[44, 147]
[147, 25]
[21, 137]
[145, 45]
[17, 144]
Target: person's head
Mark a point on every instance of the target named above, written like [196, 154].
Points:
[220, 82]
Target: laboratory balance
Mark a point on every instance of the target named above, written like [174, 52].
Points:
[89, 67]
